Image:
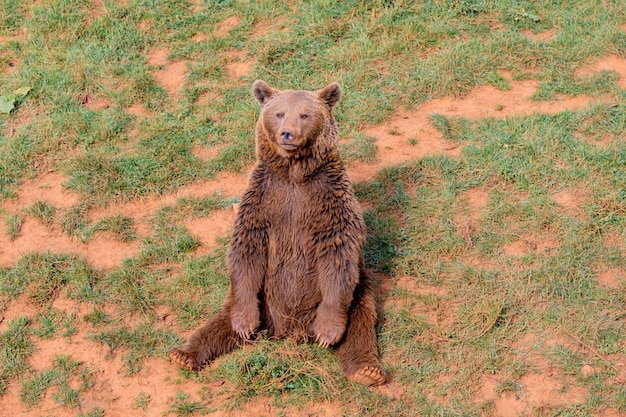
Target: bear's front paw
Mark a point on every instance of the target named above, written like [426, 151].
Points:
[245, 322]
[327, 332]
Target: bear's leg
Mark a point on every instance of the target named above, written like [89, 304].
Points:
[358, 351]
[216, 337]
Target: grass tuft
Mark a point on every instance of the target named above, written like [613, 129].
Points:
[42, 211]
[62, 376]
[15, 348]
[138, 343]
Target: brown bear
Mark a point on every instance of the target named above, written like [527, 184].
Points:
[295, 259]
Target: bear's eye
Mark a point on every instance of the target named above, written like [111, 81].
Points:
[280, 115]
[304, 116]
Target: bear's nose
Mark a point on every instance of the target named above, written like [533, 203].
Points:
[286, 135]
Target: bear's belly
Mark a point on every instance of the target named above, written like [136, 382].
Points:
[291, 287]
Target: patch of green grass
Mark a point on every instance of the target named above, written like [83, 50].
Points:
[492, 295]
[363, 45]
[199, 290]
[277, 368]
[11, 16]
[96, 412]
[362, 148]
[170, 243]
[384, 235]
[14, 225]
[183, 407]
[68, 376]
[15, 348]
[132, 287]
[97, 317]
[49, 322]
[193, 207]
[43, 275]
[75, 219]
[120, 226]
[143, 401]
[141, 342]
[42, 211]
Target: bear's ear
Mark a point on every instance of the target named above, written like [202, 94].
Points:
[262, 92]
[330, 95]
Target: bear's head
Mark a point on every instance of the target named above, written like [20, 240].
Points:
[296, 124]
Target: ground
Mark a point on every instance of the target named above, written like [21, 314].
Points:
[408, 135]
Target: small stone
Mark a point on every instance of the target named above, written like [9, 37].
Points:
[588, 370]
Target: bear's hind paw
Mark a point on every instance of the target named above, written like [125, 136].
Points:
[184, 360]
[370, 375]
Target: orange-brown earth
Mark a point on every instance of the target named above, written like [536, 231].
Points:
[116, 392]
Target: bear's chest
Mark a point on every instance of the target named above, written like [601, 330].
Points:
[291, 249]
[289, 217]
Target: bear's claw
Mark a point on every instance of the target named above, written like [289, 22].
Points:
[370, 375]
[183, 359]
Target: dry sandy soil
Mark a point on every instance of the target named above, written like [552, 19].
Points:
[115, 392]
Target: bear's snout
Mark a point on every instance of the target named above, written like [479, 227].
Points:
[286, 136]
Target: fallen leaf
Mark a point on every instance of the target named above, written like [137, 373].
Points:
[7, 104]
[22, 91]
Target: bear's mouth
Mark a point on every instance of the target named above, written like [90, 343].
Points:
[289, 146]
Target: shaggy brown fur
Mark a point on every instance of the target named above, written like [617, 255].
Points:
[295, 260]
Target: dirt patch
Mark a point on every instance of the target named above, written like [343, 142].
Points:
[610, 63]
[238, 64]
[9, 66]
[20, 307]
[468, 221]
[273, 27]
[411, 284]
[205, 153]
[208, 97]
[105, 253]
[170, 75]
[409, 134]
[612, 278]
[529, 244]
[95, 102]
[570, 201]
[226, 26]
[99, 252]
[531, 393]
[613, 240]
[545, 36]
[478, 198]
[198, 6]
[221, 29]
[114, 391]
[158, 57]
[145, 25]
[199, 37]
[47, 187]
[141, 210]
[22, 118]
[138, 110]
[488, 101]
[392, 390]
[209, 229]
[239, 69]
